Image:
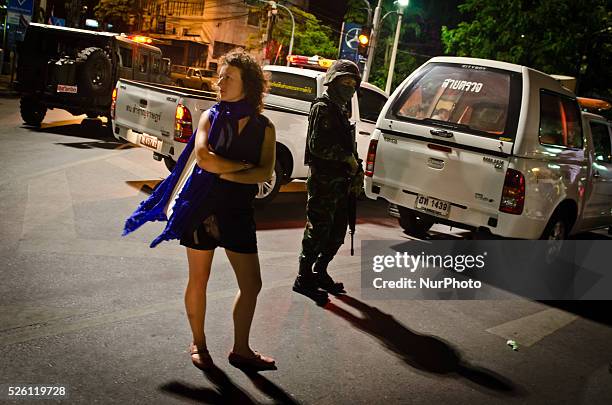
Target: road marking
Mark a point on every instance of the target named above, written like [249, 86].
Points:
[63, 326]
[530, 329]
[53, 124]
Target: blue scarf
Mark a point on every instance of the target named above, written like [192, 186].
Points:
[223, 117]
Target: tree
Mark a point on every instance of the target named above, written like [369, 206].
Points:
[117, 12]
[311, 36]
[556, 36]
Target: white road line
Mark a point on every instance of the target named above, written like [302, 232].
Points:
[530, 329]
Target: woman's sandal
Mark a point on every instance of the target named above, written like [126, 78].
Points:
[200, 357]
[258, 362]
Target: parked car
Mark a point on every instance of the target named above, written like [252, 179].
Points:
[194, 78]
[491, 146]
[76, 70]
[161, 118]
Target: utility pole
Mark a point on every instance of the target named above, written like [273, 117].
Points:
[271, 19]
[401, 4]
[373, 39]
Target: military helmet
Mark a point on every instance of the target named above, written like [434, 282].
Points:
[342, 67]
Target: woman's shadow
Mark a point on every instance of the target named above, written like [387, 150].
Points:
[423, 352]
[226, 391]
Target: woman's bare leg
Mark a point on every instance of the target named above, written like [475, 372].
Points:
[246, 268]
[200, 262]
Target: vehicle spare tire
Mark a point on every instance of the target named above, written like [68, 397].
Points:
[95, 71]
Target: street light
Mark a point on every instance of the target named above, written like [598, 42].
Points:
[401, 4]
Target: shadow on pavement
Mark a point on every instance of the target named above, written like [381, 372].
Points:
[270, 389]
[288, 211]
[90, 128]
[226, 391]
[423, 352]
[598, 311]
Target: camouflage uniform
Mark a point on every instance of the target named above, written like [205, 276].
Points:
[330, 145]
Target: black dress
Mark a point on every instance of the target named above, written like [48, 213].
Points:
[226, 219]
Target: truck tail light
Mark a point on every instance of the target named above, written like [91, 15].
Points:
[183, 125]
[369, 171]
[114, 104]
[513, 194]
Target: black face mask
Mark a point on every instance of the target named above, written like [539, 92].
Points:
[342, 93]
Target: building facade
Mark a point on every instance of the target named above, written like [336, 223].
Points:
[198, 32]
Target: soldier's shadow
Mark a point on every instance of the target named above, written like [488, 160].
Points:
[422, 352]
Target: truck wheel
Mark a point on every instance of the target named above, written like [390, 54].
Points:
[205, 87]
[32, 111]
[414, 223]
[94, 71]
[268, 189]
[179, 83]
[169, 163]
[557, 228]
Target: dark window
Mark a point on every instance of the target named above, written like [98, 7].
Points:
[156, 64]
[293, 86]
[221, 48]
[253, 17]
[144, 63]
[477, 99]
[370, 104]
[601, 142]
[126, 57]
[560, 123]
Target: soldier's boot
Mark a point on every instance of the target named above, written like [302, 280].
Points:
[306, 284]
[324, 280]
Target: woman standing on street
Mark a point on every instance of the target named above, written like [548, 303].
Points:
[208, 203]
[241, 156]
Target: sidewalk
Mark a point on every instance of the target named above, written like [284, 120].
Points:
[6, 91]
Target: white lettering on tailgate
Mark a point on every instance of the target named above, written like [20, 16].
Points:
[143, 112]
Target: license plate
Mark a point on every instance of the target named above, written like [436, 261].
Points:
[432, 205]
[64, 88]
[149, 141]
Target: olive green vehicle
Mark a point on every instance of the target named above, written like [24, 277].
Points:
[76, 70]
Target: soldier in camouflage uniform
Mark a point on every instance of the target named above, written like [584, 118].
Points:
[335, 172]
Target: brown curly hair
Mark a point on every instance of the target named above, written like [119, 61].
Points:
[254, 82]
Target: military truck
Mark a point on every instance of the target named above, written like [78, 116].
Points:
[76, 70]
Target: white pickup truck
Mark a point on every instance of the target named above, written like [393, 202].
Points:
[162, 118]
[491, 146]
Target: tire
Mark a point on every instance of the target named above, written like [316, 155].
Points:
[413, 222]
[179, 83]
[557, 227]
[205, 87]
[94, 72]
[269, 189]
[32, 111]
[169, 163]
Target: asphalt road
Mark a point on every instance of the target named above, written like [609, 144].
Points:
[103, 315]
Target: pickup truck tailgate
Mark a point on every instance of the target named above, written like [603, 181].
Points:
[146, 110]
[433, 177]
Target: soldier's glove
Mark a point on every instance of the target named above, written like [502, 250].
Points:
[354, 165]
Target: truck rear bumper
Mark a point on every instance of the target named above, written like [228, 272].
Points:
[160, 146]
[498, 223]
